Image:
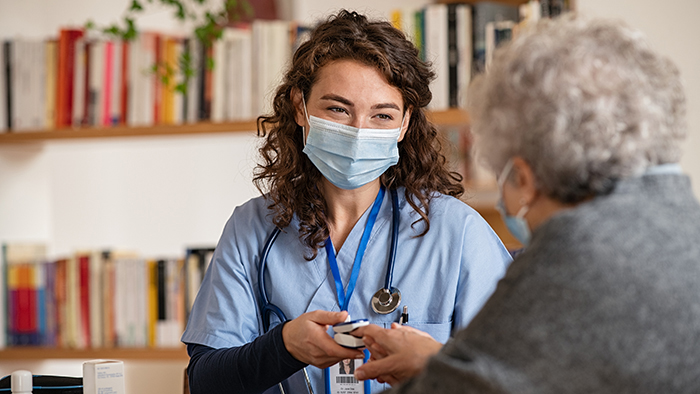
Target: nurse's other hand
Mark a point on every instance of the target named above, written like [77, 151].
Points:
[397, 354]
[306, 339]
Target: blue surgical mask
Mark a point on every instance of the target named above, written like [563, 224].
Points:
[350, 157]
[517, 225]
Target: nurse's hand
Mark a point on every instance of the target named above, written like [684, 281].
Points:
[306, 339]
[397, 354]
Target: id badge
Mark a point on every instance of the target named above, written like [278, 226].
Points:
[340, 378]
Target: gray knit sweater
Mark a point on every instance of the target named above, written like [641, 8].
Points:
[606, 299]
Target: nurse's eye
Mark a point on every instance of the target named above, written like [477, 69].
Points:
[338, 110]
[385, 117]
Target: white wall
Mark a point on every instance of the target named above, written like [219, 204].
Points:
[672, 28]
[156, 195]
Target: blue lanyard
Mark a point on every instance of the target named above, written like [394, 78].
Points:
[344, 299]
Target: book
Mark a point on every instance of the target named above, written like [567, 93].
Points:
[50, 95]
[107, 81]
[65, 75]
[24, 287]
[124, 83]
[79, 80]
[238, 73]
[7, 74]
[96, 72]
[464, 52]
[272, 53]
[437, 53]
[95, 302]
[61, 301]
[51, 328]
[192, 52]
[103, 377]
[159, 54]
[197, 261]
[205, 76]
[218, 81]
[482, 13]
[497, 33]
[3, 97]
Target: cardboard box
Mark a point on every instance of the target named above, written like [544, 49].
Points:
[103, 377]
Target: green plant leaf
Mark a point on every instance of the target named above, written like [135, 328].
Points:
[130, 33]
[135, 6]
[181, 88]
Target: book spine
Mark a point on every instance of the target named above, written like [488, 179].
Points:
[107, 84]
[452, 56]
[50, 301]
[61, 302]
[84, 289]
[40, 285]
[115, 99]
[124, 105]
[24, 309]
[6, 69]
[157, 86]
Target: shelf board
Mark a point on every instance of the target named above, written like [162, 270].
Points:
[449, 117]
[125, 131]
[43, 353]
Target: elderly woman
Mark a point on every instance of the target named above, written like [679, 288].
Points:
[582, 122]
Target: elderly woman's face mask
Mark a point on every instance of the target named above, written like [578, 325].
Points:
[517, 225]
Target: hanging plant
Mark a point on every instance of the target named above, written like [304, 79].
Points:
[208, 18]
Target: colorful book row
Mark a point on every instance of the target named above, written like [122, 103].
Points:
[97, 299]
[81, 80]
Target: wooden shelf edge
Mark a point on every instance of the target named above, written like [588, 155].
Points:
[43, 353]
[449, 117]
[125, 131]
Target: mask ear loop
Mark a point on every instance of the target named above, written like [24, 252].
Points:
[306, 115]
[403, 118]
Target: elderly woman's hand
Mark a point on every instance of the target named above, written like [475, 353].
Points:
[397, 354]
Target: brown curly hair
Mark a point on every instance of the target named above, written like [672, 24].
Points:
[288, 176]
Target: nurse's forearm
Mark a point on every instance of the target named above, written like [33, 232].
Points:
[251, 368]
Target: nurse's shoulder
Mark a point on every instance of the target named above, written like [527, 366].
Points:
[445, 207]
[248, 227]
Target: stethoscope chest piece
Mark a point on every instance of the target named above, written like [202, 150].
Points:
[386, 301]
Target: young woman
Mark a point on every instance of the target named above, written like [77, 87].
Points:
[359, 215]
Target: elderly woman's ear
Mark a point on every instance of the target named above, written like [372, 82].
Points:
[523, 180]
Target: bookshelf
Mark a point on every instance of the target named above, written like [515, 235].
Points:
[125, 131]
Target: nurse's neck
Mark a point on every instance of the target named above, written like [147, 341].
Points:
[345, 207]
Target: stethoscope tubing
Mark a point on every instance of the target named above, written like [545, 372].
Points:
[267, 308]
[394, 239]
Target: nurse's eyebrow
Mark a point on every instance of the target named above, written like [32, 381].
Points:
[340, 99]
[343, 100]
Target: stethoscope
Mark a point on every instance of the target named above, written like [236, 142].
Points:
[384, 301]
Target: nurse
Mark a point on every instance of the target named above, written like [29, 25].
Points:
[349, 162]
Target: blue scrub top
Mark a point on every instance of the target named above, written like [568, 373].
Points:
[444, 276]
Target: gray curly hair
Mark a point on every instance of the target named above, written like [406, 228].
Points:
[585, 102]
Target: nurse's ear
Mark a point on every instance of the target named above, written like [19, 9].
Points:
[406, 120]
[299, 113]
